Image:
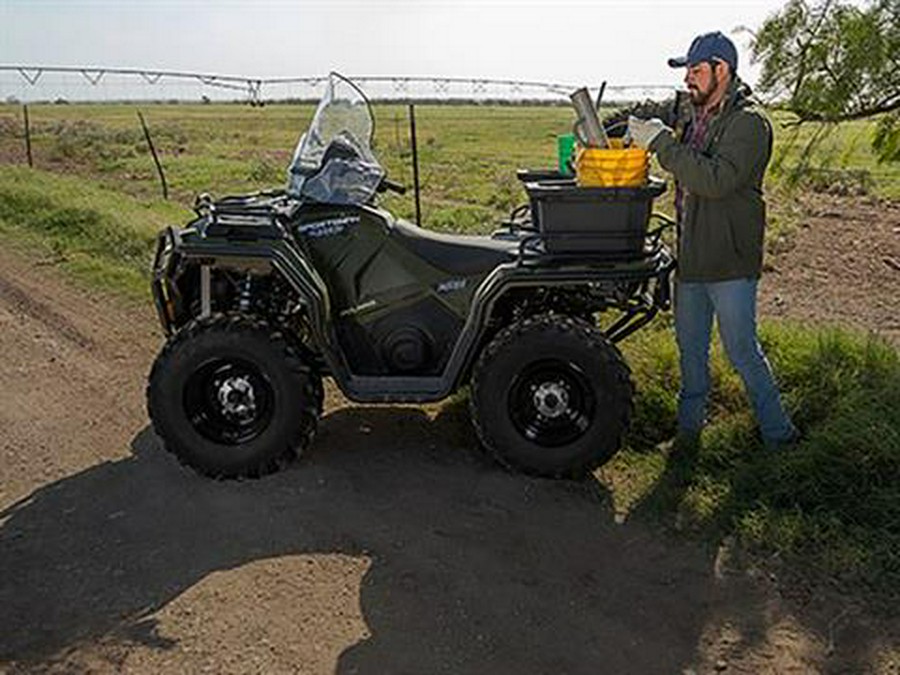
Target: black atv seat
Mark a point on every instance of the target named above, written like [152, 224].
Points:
[465, 255]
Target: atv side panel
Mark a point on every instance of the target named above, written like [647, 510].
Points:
[379, 292]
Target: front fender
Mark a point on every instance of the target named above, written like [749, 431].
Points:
[179, 251]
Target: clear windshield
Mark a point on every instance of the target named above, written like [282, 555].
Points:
[333, 162]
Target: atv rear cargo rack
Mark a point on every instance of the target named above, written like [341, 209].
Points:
[566, 247]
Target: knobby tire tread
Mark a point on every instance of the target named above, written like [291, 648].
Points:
[236, 323]
[564, 325]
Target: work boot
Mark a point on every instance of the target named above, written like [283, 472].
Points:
[784, 444]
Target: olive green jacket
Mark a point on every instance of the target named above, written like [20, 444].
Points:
[723, 215]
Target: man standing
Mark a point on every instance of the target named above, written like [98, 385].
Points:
[717, 146]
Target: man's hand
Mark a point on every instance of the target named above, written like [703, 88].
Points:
[643, 132]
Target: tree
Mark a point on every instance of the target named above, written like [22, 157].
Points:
[832, 61]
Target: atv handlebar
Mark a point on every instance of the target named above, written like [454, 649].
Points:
[386, 185]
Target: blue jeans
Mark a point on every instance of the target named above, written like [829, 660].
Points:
[733, 303]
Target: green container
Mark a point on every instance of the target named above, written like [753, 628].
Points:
[565, 147]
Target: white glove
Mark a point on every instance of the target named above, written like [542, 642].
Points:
[643, 132]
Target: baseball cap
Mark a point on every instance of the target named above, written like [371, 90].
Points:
[707, 47]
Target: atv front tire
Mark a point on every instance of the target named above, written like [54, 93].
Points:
[551, 396]
[231, 397]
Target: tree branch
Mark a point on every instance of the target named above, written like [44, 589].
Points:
[811, 116]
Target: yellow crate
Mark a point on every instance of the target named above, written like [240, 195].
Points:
[616, 166]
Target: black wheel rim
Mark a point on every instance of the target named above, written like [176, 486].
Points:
[551, 402]
[228, 401]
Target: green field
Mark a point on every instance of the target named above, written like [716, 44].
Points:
[467, 154]
[831, 507]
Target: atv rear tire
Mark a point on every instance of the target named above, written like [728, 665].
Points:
[232, 398]
[551, 396]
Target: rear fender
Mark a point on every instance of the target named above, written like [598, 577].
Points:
[653, 275]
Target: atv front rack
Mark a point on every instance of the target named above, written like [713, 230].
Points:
[246, 217]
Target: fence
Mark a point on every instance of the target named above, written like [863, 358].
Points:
[468, 154]
[472, 135]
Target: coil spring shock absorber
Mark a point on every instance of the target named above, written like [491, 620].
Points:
[244, 297]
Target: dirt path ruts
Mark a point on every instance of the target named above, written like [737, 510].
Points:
[393, 547]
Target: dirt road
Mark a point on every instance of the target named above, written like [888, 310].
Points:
[392, 547]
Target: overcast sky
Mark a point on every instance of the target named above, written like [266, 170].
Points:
[622, 41]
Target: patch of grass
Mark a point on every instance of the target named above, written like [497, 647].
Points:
[468, 155]
[101, 236]
[830, 505]
[467, 219]
[837, 159]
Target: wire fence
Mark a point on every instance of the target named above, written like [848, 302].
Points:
[230, 134]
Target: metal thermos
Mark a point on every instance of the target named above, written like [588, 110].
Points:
[588, 129]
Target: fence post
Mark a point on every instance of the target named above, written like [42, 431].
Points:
[397, 134]
[159, 169]
[415, 159]
[28, 137]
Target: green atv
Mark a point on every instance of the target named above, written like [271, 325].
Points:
[263, 295]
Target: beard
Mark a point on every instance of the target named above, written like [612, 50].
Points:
[700, 97]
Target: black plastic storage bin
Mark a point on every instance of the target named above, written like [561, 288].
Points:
[539, 175]
[610, 222]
